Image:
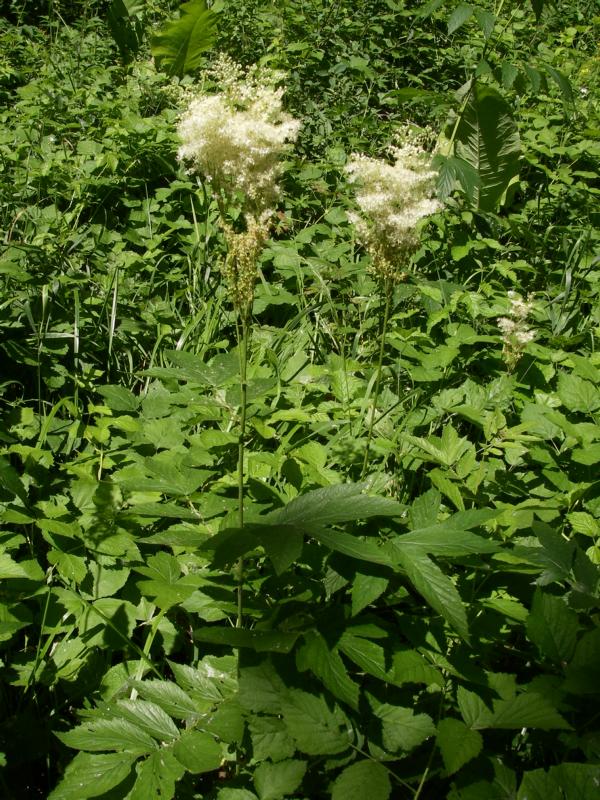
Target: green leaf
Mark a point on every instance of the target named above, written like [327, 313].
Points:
[563, 782]
[486, 21]
[577, 394]
[451, 169]
[487, 138]
[526, 710]
[458, 744]
[282, 543]
[332, 505]
[437, 589]
[147, 716]
[118, 397]
[97, 735]
[365, 590]
[316, 729]
[360, 780]
[261, 689]
[198, 751]
[259, 640]
[561, 80]
[324, 662]
[443, 541]
[170, 697]
[461, 14]
[157, 776]
[10, 480]
[179, 46]
[274, 781]
[93, 774]
[352, 546]
[25, 569]
[270, 739]
[402, 728]
[552, 626]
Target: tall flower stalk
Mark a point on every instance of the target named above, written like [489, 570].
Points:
[392, 197]
[234, 140]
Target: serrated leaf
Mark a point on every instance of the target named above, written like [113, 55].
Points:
[440, 542]
[584, 523]
[97, 735]
[365, 590]
[352, 546]
[170, 697]
[25, 569]
[282, 543]
[261, 688]
[198, 751]
[157, 776]
[436, 588]
[179, 46]
[274, 781]
[324, 662]
[486, 21]
[458, 744]
[552, 626]
[487, 138]
[118, 398]
[461, 14]
[563, 782]
[270, 739]
[402, 729]
[149, 717]
[362, 779]
[526, 710]
[332, 505]
[577, 394]
[93, 774]
[259, 640]
[315, 727]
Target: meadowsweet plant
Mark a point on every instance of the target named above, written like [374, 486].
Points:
[234, 140]
[393, 197]
[515, 332]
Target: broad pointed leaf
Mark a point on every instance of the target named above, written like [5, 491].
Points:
[179, 46]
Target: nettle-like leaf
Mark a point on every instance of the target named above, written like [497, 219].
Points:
[325, 662]
[316, 728]
[274, 781]
[458, 744]
[552, 627]
[362, 779]
[179, 46]
[93, 774]
[487, 138]
[436, 587]
[124, 19]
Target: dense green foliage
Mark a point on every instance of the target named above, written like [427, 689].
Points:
[425, 628]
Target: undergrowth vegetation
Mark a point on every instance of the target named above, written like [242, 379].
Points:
[295, 503]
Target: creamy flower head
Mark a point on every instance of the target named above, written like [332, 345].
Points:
[516, 335]
[236, 138]
[393, 197]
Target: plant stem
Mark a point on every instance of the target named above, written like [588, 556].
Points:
[243, 351]
[386, 314]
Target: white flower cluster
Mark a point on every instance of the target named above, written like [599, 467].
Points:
[236, 138]
[515, 333]
[392, 199]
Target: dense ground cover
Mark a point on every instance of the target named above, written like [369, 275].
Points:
[421, 622]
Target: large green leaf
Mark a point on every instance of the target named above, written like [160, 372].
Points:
[124, 18]
[402, 729]
[563, 782]
[274, 781]
[437, 589]
[157, 776]
[179, 46]
[316, 728]
[487, 138]
[525, 710]
[362, 779]
[325, 662]
[331, 505]
[198, 751]
[458, 744]
[93, 774]
[259, 640]
[109, 734]
[552, 627]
